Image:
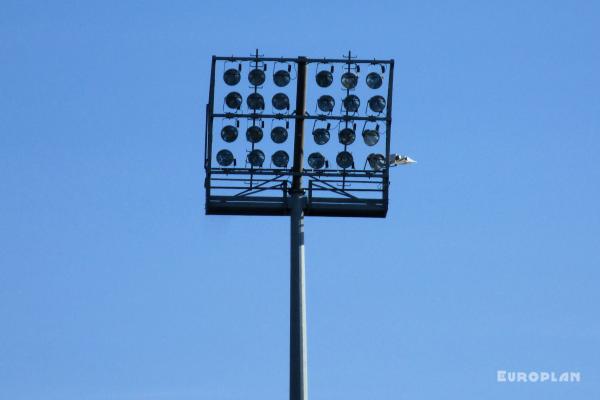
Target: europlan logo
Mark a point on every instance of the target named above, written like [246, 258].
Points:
[538, 376]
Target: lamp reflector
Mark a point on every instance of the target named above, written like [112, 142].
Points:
[229, 133]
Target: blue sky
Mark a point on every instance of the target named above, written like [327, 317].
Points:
[115, 285]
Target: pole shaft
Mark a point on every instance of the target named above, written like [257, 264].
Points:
[298, 364]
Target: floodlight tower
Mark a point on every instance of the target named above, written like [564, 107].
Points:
[281, 189]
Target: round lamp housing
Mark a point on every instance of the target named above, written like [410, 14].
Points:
[347, 136]
[352, 103]
[280, 101]
[256, 77]
[349, 80]
[344, 159]
[326, 103]
[281, 78]
[324, 78]
[376, 161]
[232, 76]
[233, 100]
[255, 101]
[370, 136]
[229, 133]
[316, 160]
[254, 134]
[256, 158]
[279, 134]
[321, 136]
[280, 159]
[377, 104]
[225, 158]
[374, 80]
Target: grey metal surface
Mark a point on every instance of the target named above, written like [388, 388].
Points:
[298, 358]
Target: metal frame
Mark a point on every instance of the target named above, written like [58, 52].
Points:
[266, 191]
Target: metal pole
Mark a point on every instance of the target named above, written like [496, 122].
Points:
[298, 365]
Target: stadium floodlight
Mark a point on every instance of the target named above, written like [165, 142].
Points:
[254, 134]
[280, 159]
[279, 134]
[326, 103]
[280, 101]
[351, 103]
[376, 161]
[344, 159]
[232, 77]
[397, 159]
[324, 78]
[377, 104]
[225, 158]
[255, 101]
[347, 136]
[290, 175]
[374, 80]
[229, 133]
[321, 136]
[316, 160]
[233, 100]
[256, 158]
[349, 80]
[370, 136]
[281, 78]
[256, 77]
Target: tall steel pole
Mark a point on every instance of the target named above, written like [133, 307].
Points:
[298, 365]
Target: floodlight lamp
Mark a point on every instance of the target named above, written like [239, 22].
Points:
[326, 103]
[281, 78]
[344, 159]
[233, 100]
[377, 104]
[351, 103]
[349, 80]
[232, 76]
[256, 158]
[324, 78]
[255, 101]
[280, 101]
[229, 133]
[279, 134]
[376, 161]
[224, 158]
[347, 136]
[316, 160]
[397, 159]
[256, 77]
[321, 136]
[254, 134]
[280, 159]
[370, 136]
[374, 80]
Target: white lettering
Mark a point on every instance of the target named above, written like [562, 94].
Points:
[575, 376]
[533, 377]
[512, 376]
[501, 376]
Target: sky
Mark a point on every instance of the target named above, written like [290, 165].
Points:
[115, 285]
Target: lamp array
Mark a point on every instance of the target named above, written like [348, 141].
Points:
[350, 105]
[281, 77]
